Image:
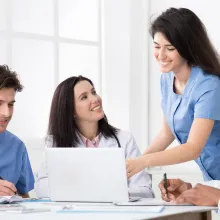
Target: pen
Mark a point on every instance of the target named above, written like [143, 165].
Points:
[165, 183]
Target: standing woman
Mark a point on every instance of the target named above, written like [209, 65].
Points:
[190, 90]
[77, 119]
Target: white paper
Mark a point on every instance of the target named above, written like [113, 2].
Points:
[10, 199]
[149, 202]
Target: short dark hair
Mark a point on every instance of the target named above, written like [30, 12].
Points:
[9, 79]
[62, 125]
[186, 32]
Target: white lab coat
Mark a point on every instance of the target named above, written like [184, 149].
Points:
[138, 186]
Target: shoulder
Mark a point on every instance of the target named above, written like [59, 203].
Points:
[125, 135]
[13, 140]
[126, 138]
[206, 81]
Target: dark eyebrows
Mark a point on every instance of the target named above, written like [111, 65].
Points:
[168, 45]
[13, 101]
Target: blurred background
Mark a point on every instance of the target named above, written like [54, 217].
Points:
[46, 41]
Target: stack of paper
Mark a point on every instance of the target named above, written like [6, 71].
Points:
[10, 199]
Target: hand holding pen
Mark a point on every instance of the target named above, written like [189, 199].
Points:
[7, 188]
[173, 188]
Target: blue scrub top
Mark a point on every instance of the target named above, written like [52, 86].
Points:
[14, 163]
[200, 99]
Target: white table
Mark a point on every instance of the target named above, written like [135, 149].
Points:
[170, 212]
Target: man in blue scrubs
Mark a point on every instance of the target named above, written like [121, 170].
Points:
[16, 175]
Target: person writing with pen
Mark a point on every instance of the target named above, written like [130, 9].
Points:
[16, 176]
[190, 91]
[202, 194]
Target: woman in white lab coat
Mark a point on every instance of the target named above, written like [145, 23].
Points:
[77, 119]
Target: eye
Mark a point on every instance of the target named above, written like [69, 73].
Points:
[170, 49]
[11, 105]
[94, 92]
[156, 47]
[84, 97]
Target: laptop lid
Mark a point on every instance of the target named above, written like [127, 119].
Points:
[87, 174]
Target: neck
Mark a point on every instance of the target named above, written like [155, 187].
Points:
[88, 129]
[182, 74]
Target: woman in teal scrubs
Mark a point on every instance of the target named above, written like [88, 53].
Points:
[190, 91]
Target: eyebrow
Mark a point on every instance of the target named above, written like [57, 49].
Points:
[168, 45]
[9, 102]
[84, 93]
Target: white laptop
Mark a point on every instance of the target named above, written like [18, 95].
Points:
[87, 174]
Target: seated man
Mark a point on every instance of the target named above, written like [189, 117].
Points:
[16, 175]
[206, 194]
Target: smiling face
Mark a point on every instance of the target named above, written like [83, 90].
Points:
[166, 55]
[7, 99]
[88, 104]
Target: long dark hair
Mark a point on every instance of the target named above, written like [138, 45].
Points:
[186, 32]
[62, 125]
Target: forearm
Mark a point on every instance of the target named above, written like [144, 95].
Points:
[179, 154]
[160, 143]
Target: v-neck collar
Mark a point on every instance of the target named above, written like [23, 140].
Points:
[190, 82]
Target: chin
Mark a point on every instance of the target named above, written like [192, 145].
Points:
[2, 129]
[165, 70]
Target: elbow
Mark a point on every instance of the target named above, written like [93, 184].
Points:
[195, 155]
[194, 151]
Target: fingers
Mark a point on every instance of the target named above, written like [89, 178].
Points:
[189, 196]
[7, 187]
[185, 198]
[3, 194]
[129, 168]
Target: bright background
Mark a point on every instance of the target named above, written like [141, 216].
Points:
[46, 41]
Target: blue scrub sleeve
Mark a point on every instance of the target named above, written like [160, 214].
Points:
[26, 179]
[208, 105]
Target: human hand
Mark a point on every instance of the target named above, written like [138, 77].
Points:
[7, 188]
[174, 187]
[200, 195]
[134, 165]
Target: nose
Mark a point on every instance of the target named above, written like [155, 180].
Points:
[162, 54]
[94, 99]
[4, 110]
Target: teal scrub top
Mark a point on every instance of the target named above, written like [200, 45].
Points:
[200, 99]
[15, 166]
